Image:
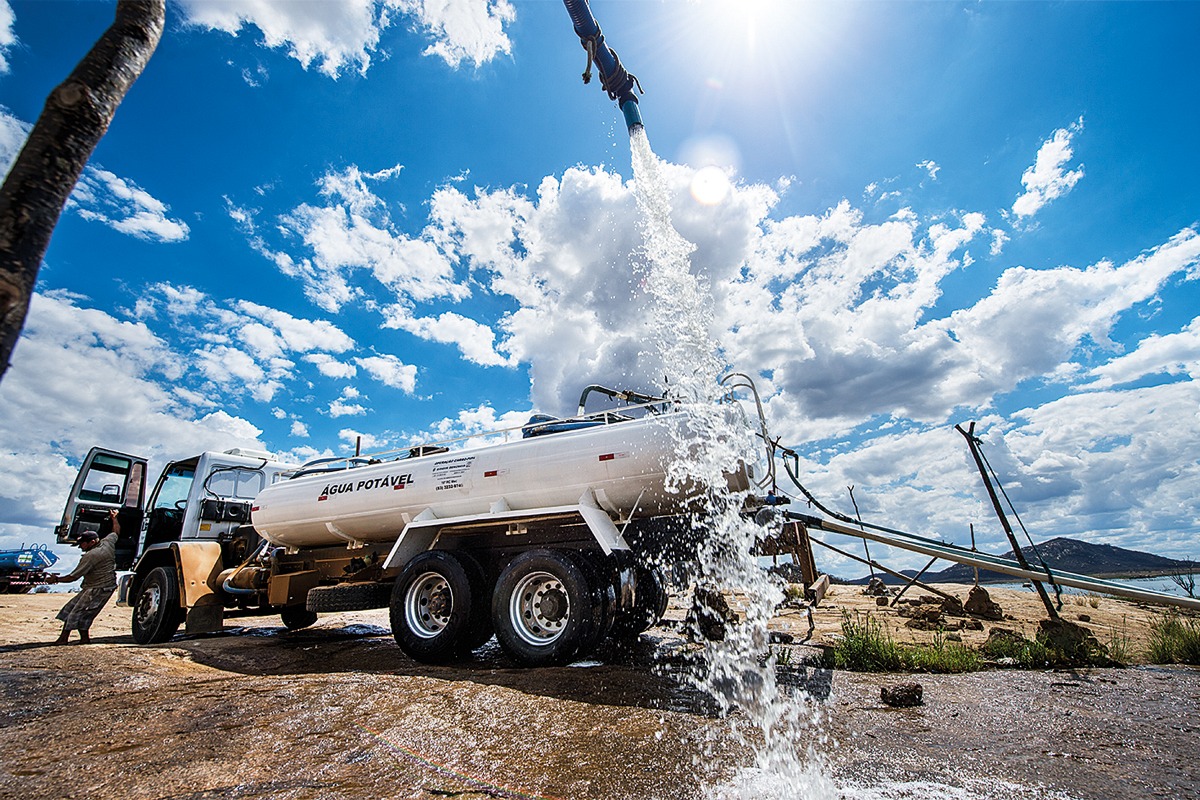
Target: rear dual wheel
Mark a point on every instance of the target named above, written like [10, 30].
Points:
[439, 607]
[547, 608]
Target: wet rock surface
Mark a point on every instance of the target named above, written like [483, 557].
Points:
[338, 711]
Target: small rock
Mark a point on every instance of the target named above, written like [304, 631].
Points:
[881, 601]
[1085, 617]
[876, 586]
[779, 637]
[929, 599]
[904, 695]
[953, 637]
[972, 625]
[710, 614]
[952, 606]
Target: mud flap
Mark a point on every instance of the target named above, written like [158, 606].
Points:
[207, 616]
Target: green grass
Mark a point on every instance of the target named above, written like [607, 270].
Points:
[1174, 640]
[866, 646]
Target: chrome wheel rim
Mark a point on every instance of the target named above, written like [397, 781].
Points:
[428, 605]
[148, 604]
[539, 609]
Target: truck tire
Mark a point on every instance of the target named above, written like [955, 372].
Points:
[649, 604]
[603, 599]
[297, 617]
[156, 611]
[347, 597]
[439, 607]
[544, 608]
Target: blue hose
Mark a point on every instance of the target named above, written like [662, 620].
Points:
[613, 77]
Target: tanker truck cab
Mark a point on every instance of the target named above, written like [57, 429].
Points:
[194, 525]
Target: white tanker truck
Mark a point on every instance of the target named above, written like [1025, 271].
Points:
[540, 535]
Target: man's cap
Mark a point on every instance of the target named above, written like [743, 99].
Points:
[87, 536]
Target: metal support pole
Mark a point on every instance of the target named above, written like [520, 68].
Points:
[900, 593]
[973, 444]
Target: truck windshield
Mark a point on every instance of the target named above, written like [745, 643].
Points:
[176, 483]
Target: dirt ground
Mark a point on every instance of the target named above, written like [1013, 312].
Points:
[337, 711]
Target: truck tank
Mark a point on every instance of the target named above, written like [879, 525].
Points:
[623, 464]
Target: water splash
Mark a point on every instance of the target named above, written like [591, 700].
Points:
[781, 731]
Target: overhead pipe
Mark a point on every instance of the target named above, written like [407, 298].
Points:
[614, 79]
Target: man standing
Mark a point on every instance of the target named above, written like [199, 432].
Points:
[98, 568]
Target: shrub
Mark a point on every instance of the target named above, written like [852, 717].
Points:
[867, 647]
[1175, 641]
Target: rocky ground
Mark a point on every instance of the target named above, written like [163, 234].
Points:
[338, 711]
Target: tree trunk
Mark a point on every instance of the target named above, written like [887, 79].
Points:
[76, 115]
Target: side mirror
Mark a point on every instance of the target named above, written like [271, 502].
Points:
[111, 489]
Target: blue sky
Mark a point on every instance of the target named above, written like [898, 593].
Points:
[321, 220]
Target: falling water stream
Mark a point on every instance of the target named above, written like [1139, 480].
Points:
[778, 726]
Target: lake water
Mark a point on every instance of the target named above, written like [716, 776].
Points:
[1162, 584]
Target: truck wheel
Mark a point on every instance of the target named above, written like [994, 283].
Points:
[156, 611]
[603, 600]
[438, 610]
[297, 617]
[649, 604]
[544, 608]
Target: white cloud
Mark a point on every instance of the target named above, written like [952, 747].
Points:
[7, 37]
[999, 239]
[121, 204]
[390, 371]
[79, 378]
[299, 429]
[463, 30]
[341, 408]
[332, 37]
[13, 133]
[351, 233]
[344, 36]
[1046, 180]
[930, 166]
[476, 342]
[1166, 354]
[330, 367]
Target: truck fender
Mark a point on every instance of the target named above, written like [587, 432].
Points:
[197, 566]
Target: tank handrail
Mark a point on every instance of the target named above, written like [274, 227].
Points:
[384, 455]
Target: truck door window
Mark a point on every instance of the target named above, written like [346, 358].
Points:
[105, 480]
[176, 483]
[242, 484]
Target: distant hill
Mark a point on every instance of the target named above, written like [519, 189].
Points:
[1069, 555]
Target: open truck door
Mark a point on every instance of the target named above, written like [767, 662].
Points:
[107, 480]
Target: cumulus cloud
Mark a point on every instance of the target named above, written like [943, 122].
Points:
[101, 196]
[930, 166]
[344, 36]
[352, 232]
[463, 30]
[81, 377]
[244, 347]
[1166, 354]
[1046, 180]
[390, 371]
[476, 342]
[7, 37]
[13, 133]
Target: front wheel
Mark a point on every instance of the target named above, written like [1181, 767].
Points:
[544, 609]
[439, 610]
[156, 612]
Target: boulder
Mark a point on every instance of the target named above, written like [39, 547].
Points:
[980, 604]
